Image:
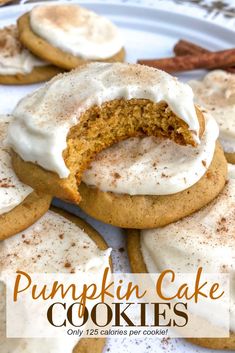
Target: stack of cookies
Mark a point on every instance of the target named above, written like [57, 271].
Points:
[52, 39]
[169, 165]
[127, 144]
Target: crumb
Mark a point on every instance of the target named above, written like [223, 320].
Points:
[26, 242]
[121, 249]
[209, 175]
[116, 175]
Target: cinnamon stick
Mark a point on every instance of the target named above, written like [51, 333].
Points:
[184, 47]
[211, 60]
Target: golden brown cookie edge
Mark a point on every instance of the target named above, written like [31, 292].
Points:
[24, 215]
[38, 74]
[93, 234]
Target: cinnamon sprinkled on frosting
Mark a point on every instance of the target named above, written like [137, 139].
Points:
[44, 118]
[43, 251]
[12, 191]
[216, 92]
[14, 58]
[152, 166]
[207, 239]
[9, 42]
[76, 30]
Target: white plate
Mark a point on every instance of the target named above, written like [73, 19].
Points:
[147, 33]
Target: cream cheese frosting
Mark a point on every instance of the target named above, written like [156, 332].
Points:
[43, 119]
[216, 92]
[76, 30]
[12, 191]
[152, 165]
[52, 245]
[206, 238]
[14, 59]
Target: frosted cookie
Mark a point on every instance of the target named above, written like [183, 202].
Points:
[17, 65]
[58, 130]
[216, 92]
[150, 182]
[69, 35]
[57, 243]
[20, 206]
[207, 239]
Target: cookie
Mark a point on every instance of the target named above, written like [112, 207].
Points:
[24, 215]
[216, 93]
[58, 242]
[78, 114]
[17, 65]
[149, 211]
[20, 205]
[205, 239]
[38, 74]
[71, 38]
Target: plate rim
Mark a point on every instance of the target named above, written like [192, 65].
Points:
[111, 4]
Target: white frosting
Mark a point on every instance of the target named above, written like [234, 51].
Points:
[14, 59]
[207, 239]
[12, 191]
[76, 30]
[216, 92]
[52, 245]
[44, 118]
[152, 166]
